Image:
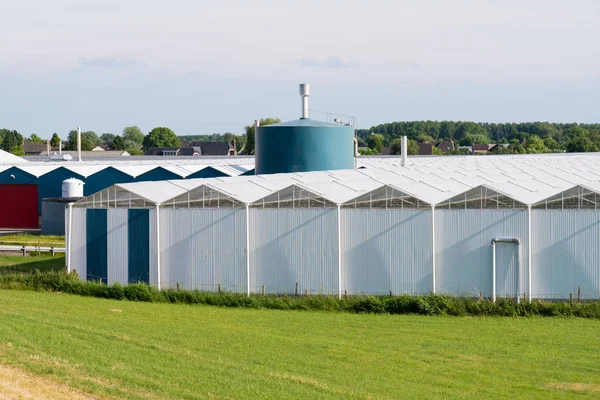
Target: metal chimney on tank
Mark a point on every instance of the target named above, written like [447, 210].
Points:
[78, 143]
[304, 93]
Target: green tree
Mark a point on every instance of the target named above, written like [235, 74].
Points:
[579, 141]
[35, 139]
[118, 143]
[368, 152]
[55, 141]
[396, 146]
[412, 147]
[250, 132]
[552, 144]
[580, 144]
[135, 152]
[108, 138]
[18, 150]
[134, 134]
[89, 140]
[376, 142]
[161, 137]
[535, 145]
[11, 139]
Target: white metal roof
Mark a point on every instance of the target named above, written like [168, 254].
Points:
[526, 178]
[8, 158]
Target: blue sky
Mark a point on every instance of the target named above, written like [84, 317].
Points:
[201, 67]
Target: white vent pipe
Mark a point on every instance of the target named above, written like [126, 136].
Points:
[304, 93]
[78, 143]
[404, 151]
[48, 147]
[60, 147]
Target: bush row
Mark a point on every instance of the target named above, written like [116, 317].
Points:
[405, 304]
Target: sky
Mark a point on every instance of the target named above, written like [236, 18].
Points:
[202, 67]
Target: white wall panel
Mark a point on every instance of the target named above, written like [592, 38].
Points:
[153, 254]
[386, 250]
[565, 253]
[202, 248]
[78, 245]
[464, 252]
[294, 245]
[117, 245]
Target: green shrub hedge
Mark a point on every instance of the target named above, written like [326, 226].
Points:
[405, 304]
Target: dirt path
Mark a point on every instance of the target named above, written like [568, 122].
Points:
[17, 384]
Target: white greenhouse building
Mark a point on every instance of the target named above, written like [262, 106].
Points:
[490, 226]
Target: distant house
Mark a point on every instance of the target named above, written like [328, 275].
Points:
[495, 147]
[425, 149]
[386, 151]
[194, 149]
[102, 147]
[446, 146]
[34, 149]
[213, 148]
[481, 148]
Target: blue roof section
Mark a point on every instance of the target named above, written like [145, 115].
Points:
[305, 122]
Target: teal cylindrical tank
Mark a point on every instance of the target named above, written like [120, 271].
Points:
[303, 145]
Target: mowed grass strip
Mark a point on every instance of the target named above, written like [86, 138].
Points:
[27, 239]
[145, 350]
[30, 263]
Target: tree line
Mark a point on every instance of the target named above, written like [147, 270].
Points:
[528, 137]
[132, 139]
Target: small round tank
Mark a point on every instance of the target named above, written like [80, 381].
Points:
[304, 145]
[72, 188]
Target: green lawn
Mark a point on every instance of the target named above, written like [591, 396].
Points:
[30, 263]
[33, 240]
[144, 350]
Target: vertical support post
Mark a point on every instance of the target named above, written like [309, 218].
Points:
[247, 250]
[433, 252]
[256, 146]
[494, 272]
[339, 232]
[158, 246]
[69, 238]
[529, 247]
[78, 143]
[403, 150]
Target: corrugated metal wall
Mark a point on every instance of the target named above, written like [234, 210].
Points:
[294, 245]
[138, 245]
[382, 250]
[464, 251]
[78, 244]
[201, 249]
[565, 253]
[117, 245]
[97, 245]
[386, 250]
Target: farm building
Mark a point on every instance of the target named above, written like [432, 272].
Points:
[493, 226]
[24, 184]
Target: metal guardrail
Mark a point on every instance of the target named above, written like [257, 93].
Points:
[25, 249]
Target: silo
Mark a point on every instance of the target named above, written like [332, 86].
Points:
[304, 144]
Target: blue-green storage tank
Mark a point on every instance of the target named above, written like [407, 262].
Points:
[303, 145]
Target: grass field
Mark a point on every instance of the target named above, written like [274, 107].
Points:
[144, 350]
[43, 262]
[33, 240]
